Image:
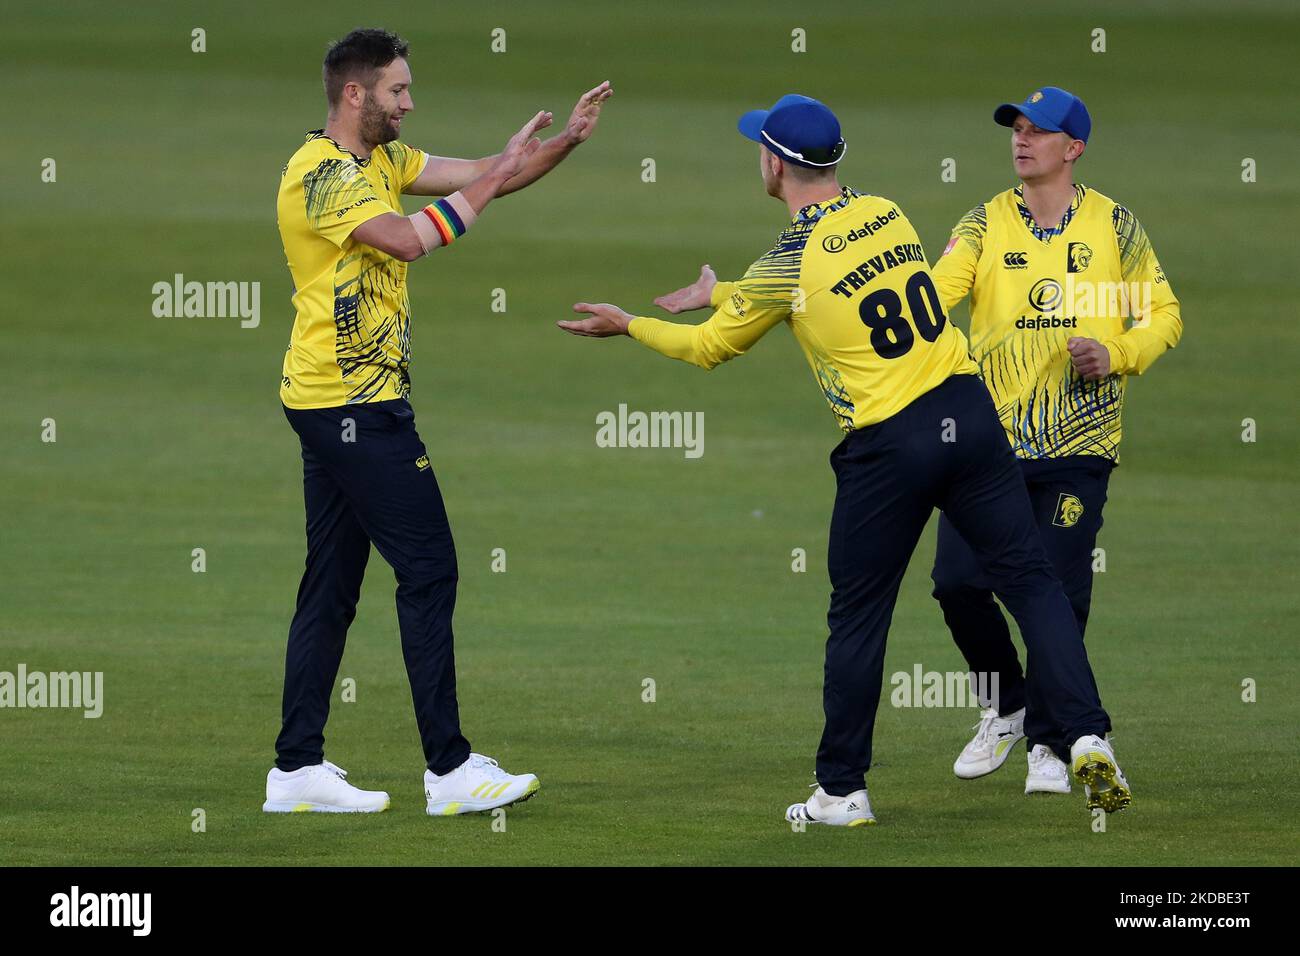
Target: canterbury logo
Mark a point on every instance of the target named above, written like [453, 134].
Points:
[1069, 510]
[422, 462]
[1016, 260]
[489, 790]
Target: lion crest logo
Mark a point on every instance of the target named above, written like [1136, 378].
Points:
[1069, 510]
[1078, 256]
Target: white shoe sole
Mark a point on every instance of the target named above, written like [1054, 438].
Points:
[450, 808]
[298, 806]
[1046, 787]
[798, 813]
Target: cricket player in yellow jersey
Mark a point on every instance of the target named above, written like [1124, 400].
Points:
[1055, 271]
[849, 277]
[345, 387]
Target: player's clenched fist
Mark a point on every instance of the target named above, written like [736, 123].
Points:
[1090, 358]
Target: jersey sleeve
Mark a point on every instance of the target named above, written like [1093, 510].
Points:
[1157, 320]
[338, 198]
[744, 311]
[954, 273]
[411, 165]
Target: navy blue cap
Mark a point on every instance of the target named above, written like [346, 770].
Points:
[1051, 108]
[797, 128]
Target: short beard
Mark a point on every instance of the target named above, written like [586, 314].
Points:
[375, 129]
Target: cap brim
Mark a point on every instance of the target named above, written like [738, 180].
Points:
[1005, 115]
[751, 124]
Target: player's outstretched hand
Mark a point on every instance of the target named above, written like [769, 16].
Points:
[695, 296]
[606, 320]
[522, 145]
[582, 122]
[1090, 358]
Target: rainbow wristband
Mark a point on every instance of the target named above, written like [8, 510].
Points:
[446, 220]
[443, 221]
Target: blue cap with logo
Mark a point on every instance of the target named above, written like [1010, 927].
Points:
[1050, 108]
[797, 128]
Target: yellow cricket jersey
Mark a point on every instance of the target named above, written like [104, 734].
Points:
[351, 339]
[1032, 289]
[850, 278]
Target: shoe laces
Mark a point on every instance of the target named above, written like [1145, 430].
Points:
[985, 727]
[334, 769]
[487, 766]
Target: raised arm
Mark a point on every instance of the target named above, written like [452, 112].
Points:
[444, 175]
[446, 220]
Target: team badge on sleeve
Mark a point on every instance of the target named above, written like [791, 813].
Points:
[739, 303]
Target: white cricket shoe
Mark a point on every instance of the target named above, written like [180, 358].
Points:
[991, 745]
[476, 785]
[319, 788]
[1093, 763]
[1047, 772]
[851, 811]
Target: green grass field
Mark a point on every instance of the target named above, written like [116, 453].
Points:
[622, 564]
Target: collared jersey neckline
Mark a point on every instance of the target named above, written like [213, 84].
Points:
[321, 134]
[818, 209]
[1041, 233]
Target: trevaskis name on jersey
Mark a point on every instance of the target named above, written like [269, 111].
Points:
[837, 243]
[888, 259]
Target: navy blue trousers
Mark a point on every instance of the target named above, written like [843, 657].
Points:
[380, 488]
[890, 477]
[1067, 496]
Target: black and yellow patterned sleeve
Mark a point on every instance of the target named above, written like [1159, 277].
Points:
[954, 272]
[745, 310]
[1157, 319]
